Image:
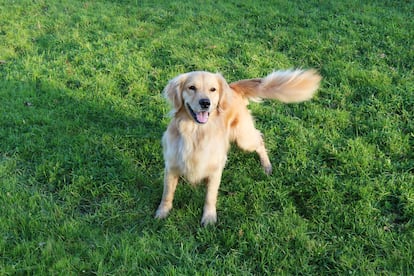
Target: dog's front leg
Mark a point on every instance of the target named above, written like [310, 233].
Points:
[209, 213]
[170, 183]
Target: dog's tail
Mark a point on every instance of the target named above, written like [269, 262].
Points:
[289, 86]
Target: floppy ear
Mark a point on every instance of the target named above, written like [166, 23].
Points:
[225, 93]
[173, 90]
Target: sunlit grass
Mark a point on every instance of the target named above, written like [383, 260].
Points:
[81, 116]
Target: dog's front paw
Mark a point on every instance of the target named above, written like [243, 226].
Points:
[209, 218]
[162, 212]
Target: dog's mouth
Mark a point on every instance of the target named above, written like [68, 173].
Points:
[200, 117]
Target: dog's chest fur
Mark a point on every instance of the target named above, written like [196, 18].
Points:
[192, 153]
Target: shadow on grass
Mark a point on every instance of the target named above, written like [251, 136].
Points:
[99, 158]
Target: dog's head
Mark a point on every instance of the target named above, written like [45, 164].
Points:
[199, 93]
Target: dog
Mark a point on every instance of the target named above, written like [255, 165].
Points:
[207, 115]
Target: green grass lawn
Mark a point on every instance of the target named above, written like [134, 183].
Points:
[81, 117]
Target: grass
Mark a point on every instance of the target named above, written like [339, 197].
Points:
[81, 116]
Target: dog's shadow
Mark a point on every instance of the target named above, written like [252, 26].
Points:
[94, 156]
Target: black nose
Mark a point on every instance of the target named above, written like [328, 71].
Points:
[204, 103]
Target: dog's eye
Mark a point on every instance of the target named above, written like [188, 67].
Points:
[192, 87]
[213, 89]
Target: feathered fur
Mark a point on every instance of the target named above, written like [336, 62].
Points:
[291, 86]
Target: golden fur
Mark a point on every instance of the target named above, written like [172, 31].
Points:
[208, 114]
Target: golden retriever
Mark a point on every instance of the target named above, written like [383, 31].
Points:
[208, 114]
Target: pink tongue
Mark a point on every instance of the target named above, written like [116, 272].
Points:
[202, 116]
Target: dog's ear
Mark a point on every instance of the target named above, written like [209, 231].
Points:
[225, 93]
[173, 91]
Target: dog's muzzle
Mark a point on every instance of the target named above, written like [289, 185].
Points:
[204, 103]
[201, 117]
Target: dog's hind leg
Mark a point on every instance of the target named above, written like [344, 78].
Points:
[250, 139]
[264, 158]
[170, 184]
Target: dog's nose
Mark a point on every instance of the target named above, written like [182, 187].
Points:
[204, 103]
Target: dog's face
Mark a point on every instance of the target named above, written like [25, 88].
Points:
[199, 93]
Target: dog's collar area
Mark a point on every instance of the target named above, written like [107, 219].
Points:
[200, 117]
